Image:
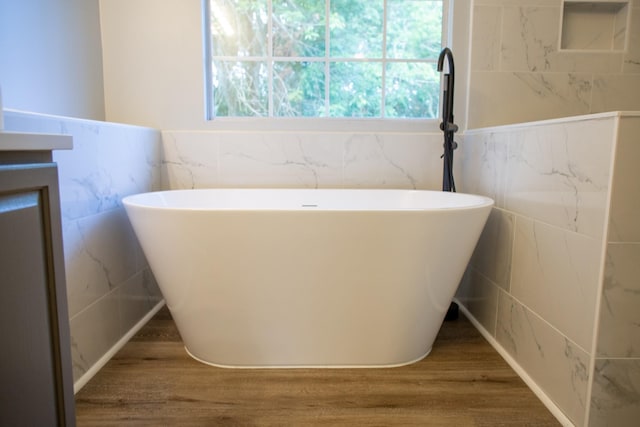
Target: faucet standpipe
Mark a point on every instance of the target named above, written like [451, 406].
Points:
[448, 126]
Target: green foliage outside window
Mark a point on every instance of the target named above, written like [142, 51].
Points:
[287, 58]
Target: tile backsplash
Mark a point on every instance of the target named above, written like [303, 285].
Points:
[200, 159]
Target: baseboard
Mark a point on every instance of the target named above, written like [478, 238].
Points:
[535, 388]
[84, 379]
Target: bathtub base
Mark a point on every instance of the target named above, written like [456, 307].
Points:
[303, 366]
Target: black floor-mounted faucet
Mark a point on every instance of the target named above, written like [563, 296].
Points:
[447, 125]
[449, 128]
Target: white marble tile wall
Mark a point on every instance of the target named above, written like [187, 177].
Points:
[535, 279]
[557, 364]
[615, 395]
[109, 286]
[520, 74]
[556, 274]
[302, 160]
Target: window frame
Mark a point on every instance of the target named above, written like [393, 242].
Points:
[317, 123]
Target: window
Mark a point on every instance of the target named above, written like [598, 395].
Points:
[317, 58]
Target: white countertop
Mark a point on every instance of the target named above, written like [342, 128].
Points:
[23, 141]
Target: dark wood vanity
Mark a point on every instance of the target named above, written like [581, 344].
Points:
[36, 381]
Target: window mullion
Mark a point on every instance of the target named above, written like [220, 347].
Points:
[384, 60]
[327, 47]
[209, 109]
[270, 64]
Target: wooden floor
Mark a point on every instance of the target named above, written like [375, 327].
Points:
[463, 382]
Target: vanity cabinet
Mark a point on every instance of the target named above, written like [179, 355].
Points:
[36, 381]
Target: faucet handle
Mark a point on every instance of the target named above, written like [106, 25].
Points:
[448, 127]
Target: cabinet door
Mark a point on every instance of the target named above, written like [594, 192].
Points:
[34, 359]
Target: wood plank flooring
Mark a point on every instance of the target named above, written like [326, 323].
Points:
[153, 382]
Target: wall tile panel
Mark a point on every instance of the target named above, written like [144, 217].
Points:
[558, 366]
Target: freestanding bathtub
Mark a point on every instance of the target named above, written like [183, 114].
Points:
[307, 278]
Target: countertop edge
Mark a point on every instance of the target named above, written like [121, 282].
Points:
[26, 141]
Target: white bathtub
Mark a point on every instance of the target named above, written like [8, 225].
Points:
[307, 278]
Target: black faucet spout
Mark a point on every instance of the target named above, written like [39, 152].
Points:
[446, 53]
[449, 81]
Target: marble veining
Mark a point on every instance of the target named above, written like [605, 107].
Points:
[485, 165]
[580, 371]
[575, 256]
[189, 162]
[485, 45]
[615, 399]
[615, 92]
[100, 255]
[99, 187]
[480, 296]
[632, 58]
[619, 313]
[492, 256]
[560, 175]
[519, 73]
[535, 30]
[302, 160]
[363, 151]
[280, 160]
[557, 365]
[555, 273]
[625, 197]
[108, 290]
[94, 175]
[78, 362]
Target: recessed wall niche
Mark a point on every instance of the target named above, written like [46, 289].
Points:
[594, 25]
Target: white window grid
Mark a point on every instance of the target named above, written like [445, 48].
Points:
[327, 59]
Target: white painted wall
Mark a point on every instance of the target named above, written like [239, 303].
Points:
[51, 57]
[153, 62]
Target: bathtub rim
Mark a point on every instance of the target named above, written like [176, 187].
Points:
[137, 201]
